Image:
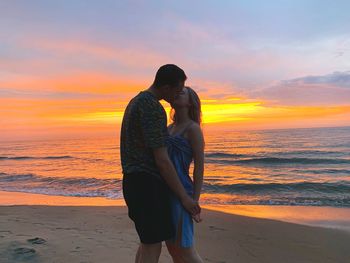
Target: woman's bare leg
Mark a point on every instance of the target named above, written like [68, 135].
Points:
[148, 253]
[183, 255]
[174, 252]
[180, 254]
[190, 255]
[173, 247]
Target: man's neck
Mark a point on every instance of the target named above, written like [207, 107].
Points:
[155, 92]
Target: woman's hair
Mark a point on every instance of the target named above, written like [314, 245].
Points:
[195, 111]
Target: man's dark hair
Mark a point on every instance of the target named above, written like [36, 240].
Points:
[169, 74]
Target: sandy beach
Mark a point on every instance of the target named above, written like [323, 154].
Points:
[104, 234]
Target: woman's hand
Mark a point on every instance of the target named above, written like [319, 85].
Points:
[191, 205]
[197, 218]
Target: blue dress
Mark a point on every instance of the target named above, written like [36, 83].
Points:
[180, 153]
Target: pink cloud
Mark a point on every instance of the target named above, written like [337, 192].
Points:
[330, 89]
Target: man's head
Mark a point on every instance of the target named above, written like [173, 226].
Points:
[169, 81]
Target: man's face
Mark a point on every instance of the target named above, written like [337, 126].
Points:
[171, 92]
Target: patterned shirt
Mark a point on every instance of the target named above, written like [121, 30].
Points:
[144, 127]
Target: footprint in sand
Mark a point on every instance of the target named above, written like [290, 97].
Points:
[36, 240]
[216, 228]
[24, 253]
[6, 231]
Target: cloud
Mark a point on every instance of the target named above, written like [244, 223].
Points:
[338, 79]
[79, 83]
[44, 94]
[329, 89]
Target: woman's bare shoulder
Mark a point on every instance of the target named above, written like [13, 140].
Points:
[194, 129]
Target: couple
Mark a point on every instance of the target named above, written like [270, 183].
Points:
[162, 198]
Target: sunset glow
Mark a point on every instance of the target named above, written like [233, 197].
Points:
[75, 76]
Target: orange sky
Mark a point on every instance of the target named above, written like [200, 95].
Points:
[101, 115]
[68, 69]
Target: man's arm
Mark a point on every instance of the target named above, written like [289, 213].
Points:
[170, 176]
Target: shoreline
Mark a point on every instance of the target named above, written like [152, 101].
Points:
[326, 217]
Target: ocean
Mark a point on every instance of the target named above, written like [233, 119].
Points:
[291, 167]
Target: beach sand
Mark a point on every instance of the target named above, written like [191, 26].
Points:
[104, 234]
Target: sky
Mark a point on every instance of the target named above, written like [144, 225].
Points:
[69, 68]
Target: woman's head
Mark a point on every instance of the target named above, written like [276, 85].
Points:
[187, 98]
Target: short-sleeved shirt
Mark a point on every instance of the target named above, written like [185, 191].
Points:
[144, 127]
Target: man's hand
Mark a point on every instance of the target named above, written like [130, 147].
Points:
[191, 206]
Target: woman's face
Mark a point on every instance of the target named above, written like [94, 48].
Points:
[170, 92]
[182, 99]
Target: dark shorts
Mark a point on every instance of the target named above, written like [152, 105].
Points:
[149, 206]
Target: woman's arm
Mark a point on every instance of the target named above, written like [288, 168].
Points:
[195, 136]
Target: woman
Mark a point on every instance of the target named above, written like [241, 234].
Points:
[185, 144]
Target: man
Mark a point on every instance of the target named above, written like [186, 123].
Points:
[148, 173]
